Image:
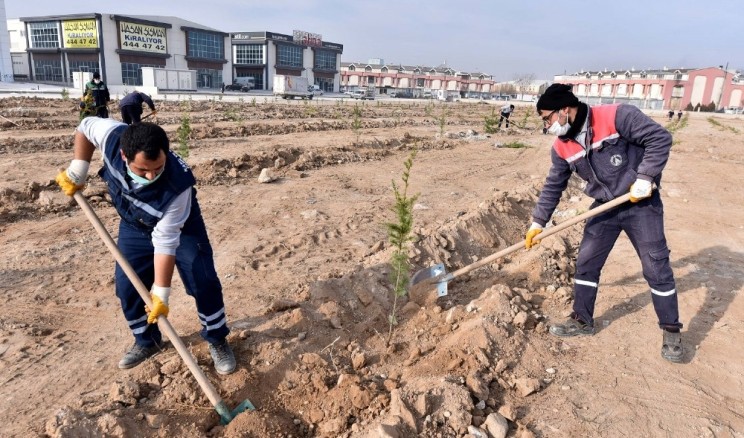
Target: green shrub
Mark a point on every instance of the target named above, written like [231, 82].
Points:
[184, 133]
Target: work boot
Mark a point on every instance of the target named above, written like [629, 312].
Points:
[671, 347]
[223, 357]
[572, 327]
[138, 354]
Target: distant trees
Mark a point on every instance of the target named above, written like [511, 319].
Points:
[523, 81]
[505, 89]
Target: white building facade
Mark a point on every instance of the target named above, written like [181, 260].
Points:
[263, 55]
[50, 48]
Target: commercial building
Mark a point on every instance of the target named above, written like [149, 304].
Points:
[118, 46]
[664, 88]
[417, 80]
[262, 55]
[52, 48]
[6, 65]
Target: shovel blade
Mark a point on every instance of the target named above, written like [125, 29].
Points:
[427, 281]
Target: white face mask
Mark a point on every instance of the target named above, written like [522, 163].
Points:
[557, 129]
[141, 180]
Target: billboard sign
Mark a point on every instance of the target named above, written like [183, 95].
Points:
[142, 38]
[80, 34]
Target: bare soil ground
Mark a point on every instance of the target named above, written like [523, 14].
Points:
[304, 265]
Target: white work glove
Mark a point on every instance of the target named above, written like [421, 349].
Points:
[534, 230]
[159, 297]
[641, 189]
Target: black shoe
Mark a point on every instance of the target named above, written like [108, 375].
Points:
[223, 357]
[671, 347]
[138, 354]
[572, 327]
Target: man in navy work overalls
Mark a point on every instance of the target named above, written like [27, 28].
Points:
[131, 107]
[613, 148]
[161, 229]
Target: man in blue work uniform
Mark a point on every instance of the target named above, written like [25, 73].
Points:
[131, 107]
[100, 94]
[612, 148]
[161, 229]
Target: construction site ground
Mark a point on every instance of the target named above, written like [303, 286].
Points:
[304, 262]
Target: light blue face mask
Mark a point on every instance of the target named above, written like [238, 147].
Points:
[141, 180]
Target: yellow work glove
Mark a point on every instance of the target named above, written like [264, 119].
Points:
[534, 230]
[159, 297]
[641, 189]
[73, 178]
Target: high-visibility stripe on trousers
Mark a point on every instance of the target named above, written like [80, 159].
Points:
[643, 223]
[195, 264]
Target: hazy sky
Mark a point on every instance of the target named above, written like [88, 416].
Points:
[504, 39]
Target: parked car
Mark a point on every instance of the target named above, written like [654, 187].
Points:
[244, 84]
[315, 90]
[359, 94]
[237, 87]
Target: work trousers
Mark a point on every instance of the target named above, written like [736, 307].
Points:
[643, 223]
[504, 116]
[195, 265]
[131, 114]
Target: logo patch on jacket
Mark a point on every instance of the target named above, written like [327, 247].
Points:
[616, 160]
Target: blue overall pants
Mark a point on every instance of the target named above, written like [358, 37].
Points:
[195, 264]
[643, 223]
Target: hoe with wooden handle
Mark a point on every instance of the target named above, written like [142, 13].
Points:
[425, 281]
[226, 415]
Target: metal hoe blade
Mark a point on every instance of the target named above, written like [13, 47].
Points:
[226, 415]
[433, 274]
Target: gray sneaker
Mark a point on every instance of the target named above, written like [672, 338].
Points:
[223, 357]
[138, 354]
[572, 327]
[671, 347]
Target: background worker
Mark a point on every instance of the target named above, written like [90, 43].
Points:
[506, 111]
[131, 107]
[100, 93]
[161, 229]
[612, 148]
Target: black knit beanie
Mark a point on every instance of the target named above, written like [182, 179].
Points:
[557, 96]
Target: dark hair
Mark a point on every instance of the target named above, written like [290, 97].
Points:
[511, 106]
[144, 137]
[96, 75]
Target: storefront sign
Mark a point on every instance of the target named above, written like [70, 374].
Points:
[142, 38]
[80, 34]
[307, 38]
